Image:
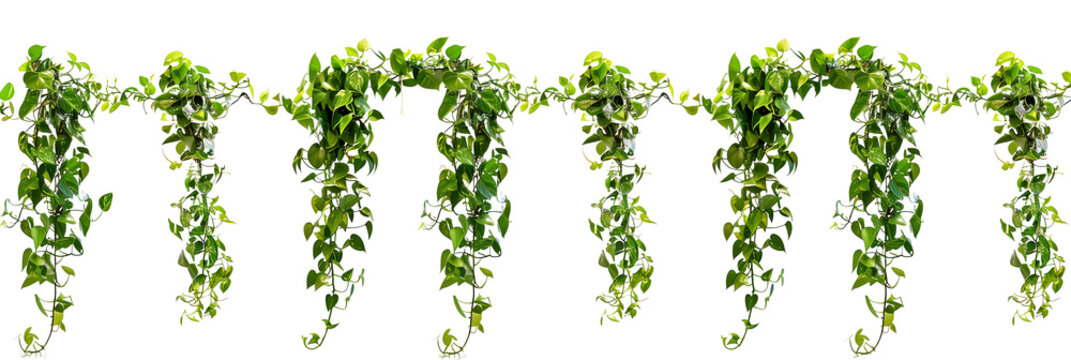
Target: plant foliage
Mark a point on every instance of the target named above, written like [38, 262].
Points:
[881, 209]
[52, 208]
[613, 103]
[192, 104]
[469, 208]
[752, 103]
[1023, 103]
[332, 103]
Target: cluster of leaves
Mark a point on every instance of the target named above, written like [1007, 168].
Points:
[468, 208]
[192, 103]
[332, 102]
[614, 103]
[1023, 103]
[753, 105]
[881, 210]
[52, 209]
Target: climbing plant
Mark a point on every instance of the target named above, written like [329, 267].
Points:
[752, 103]
[332, 103]
[1023, 103]
[614, 103]
[468, 209]
[881, 209]
[192, 103]
[52, 208]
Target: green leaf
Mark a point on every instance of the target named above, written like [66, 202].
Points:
[866, 52]
[860, 281]
[487, 272]
[67, 270]
[736, 156]
[765, 120]
[316, 156]
[330, 300]
[839, 79]
[862, 99]
[848, 45]
[457, 305]
[363, 45]
[84, 221]
[35, 52]
[172, 57]
[310, 278]
[342, 98]
[592, 57]
[449, 100]
[503, 219]
[447, 338]
[38, 81]
[767, 201]
[105, 202]
[876, 156]
[28, 337]
[1066, 74]
[437, 45]
[1005, 57]
[40, 306]
[776, 243]
[898, 272]
[314, 67]
[734, 66]
[454, 52]
[29, 102]
[343, 122]
[869, 235]
[7, 93]
[457, 235]
[37, 233]
[398, 63]
[869, 81]
[455, 81]
[347, 202]
[818, 61]
[782, 45]
[448, 280]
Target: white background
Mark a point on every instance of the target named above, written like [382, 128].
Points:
[546, 282]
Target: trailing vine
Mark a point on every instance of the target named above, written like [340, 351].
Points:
[192, 103]
[53, 209]
[1023, 103]
[754, 107]
[615, 102]
[468, 206]
[881, 209]
[332, 102]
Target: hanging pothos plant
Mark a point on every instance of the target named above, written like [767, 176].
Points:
[1023, 103]
[752, 103]
[469, 209]
[881, 209]
[332, 102]
[615, 102]
[52, 208]
[192, 103]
